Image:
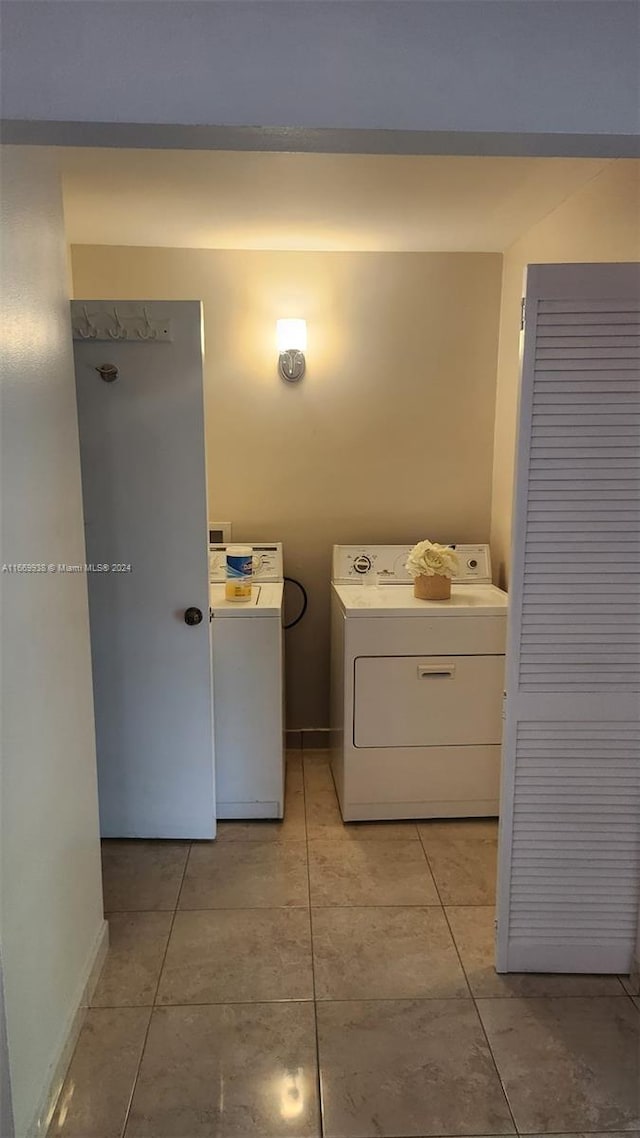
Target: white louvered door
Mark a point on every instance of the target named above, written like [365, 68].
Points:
[569, 867]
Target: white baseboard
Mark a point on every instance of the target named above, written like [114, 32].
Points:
[69, 1036]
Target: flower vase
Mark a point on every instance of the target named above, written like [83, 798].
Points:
[434, 588]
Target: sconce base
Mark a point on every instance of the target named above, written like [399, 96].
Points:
[291, 365]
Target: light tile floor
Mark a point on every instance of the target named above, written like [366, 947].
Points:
[308, 978]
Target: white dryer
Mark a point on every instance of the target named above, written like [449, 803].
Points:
[248, 687]
[416, 688]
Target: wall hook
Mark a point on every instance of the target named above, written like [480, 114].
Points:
[147, 332]
[91, 331]
[120, 332]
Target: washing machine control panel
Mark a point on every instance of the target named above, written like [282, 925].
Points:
[267, 561]
[386, 564]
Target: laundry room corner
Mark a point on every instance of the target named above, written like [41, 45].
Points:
[374, 444]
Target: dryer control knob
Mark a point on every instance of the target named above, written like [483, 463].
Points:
[362, 564]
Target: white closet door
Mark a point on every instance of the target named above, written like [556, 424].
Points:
[144, 490]
[569, 871]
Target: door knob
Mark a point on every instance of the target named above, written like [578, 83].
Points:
[192, 616]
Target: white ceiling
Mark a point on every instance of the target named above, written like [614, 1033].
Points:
[328, 202]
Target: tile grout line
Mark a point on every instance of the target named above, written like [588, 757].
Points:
[431, 873]
[155, 995]
[473, 998]
[313, 964]
[343, 1000]
[444, 913]
[266, 908]
[291, 1000]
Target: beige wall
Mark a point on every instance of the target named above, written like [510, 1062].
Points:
[51, 921]
[601, 222]
[388, 438]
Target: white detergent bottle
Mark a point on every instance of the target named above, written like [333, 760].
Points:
[239, 573]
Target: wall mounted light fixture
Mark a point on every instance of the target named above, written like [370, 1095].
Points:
[292, 344]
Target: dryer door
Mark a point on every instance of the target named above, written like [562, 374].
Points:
[428, 701]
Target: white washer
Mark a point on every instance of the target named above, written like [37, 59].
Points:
[248, 687]
[416, 688]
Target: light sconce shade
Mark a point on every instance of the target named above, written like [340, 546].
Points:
[292, 344]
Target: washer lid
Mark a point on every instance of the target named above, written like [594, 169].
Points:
[266, 600]
[398, 600]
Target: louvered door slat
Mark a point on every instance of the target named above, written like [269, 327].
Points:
[589, 320]
[552, 350]
[618, 306]
[569, 879]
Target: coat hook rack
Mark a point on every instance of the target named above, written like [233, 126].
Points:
[122, 322]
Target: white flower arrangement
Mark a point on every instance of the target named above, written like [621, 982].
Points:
[428, 559]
